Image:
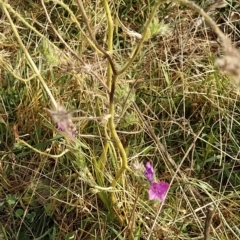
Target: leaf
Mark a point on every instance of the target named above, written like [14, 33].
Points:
[19, 212]
[11, 200]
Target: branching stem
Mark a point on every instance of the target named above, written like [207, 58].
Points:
[107, 54]
[140, 43]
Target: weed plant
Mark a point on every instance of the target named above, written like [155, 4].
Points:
[91, 91]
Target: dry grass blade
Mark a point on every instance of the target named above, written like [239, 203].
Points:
[158, 99]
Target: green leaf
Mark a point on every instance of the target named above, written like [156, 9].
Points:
[11, 200]
[19, 212]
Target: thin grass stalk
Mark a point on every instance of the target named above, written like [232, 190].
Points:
[73, 17]
[32, 64]
[57, 33]
[42, 153]
[208, 19]
[97, 46]
[140, 43]
[19, 17]
[7, 68]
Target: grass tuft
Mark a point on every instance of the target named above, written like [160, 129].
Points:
[139, 83]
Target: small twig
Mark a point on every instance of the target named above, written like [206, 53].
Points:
[4, 64]
[73, 17]
[84, 15]
[144, 34]
[40, 152]
[224, 40]
[208, 221]
[57, 33]
[100, 80]
[128, 31]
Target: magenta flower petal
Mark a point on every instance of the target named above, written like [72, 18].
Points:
[63, 118]
[65, 128]
[158, 191]
[149, 172]
[60, 127]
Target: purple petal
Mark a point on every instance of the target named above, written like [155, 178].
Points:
[149, 172]
[60, 127]
[158, 190]
[67, 128]
[73, 133]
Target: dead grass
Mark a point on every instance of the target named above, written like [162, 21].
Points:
[173, 108]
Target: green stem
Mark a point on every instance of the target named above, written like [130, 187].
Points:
[115, 136]
[103, 158]
[109, 41]
[99, 48]
[32, 64]
[111, 82]
[109, 69]
[140, 43]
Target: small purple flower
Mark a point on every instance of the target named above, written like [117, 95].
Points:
[70, 128]
[63, 118]
[149, 172]
[60, 127]
[158, 191]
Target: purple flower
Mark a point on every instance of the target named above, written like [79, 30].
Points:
[149, 172]
[60, 127]
[158, 190]
[63, 118]
[70, 128]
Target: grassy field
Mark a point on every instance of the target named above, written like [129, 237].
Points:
[91, 91]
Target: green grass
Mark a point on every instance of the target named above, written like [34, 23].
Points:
[172, 107]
